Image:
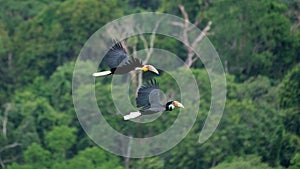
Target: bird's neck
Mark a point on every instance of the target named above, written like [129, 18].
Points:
[168, 107]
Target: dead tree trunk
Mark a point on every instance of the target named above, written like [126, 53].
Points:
[149, 49]
[187, 27]
[5, 119]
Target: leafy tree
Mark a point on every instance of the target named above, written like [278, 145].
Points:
[295, 161]
[60, 88]
[57, 34]
[36, 156]
[15, 12]
[149, 163]
[18, 166]
[289, 94]
[6, 68]
[60, 139]
[91, 158]
[248, 162]
[253, 37]
[32, 103]
[289, 89]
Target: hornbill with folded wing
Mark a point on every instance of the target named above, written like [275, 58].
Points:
[117, 59]
[148, 100]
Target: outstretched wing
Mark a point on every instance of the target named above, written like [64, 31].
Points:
[115, 56]
[129, 66]
[148, 97]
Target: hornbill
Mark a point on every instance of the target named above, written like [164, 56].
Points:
[117, 59]
[148, 100]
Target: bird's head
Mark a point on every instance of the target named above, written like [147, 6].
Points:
[146, 68]
[172, 104]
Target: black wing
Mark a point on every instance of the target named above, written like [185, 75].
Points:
[115, 56]
[128, 66]
[148, 97]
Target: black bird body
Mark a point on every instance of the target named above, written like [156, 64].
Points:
[127, 66]
[148, 101]
[118, 62]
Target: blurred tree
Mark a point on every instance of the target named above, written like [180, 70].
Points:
[248, 162]
[290, 89]
[6, 69]
[13, 13]
[60, 139]
[295, 162]
[37, 156]
[195, 9]
[289, 95]
[258, 42]
[60, 88]
[90, 158]
[253, 37]
[149, 163]
[145, 4]
[57, 34]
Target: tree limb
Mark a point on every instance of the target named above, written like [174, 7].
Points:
[202, 34]
[2, 163]
[5, 119]
[148, 47]
[152, 38]
[177, 24]
[9, 146]
[186, 29]
[184, 13]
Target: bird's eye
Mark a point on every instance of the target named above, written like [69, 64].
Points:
[171, 106]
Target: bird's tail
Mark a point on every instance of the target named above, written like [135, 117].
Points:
[132, 115]
[104, 73]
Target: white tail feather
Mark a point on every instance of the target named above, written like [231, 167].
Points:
[104, 73]
[132, 115]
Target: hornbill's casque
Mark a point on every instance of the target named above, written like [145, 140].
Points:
[148, 100]
[117, 59]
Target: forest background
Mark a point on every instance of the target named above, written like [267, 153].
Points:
[258, 43]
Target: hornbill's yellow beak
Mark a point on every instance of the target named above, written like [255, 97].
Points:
[146, 68]
[177, 104]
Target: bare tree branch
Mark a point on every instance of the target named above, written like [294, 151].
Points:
[148, 48]
[185, 38]
[177, 24]
[184, 13]
[9, 146]
[200, 19]
[133, 74]
[5, 119]
[202, 35]
[2, 163]
[152, 38]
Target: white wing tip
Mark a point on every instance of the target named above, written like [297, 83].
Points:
[132, 115]
[104, 73]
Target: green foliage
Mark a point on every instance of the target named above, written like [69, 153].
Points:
[37, 156]
[258, 42]
[91, 158]
[15, 12]
[61, 87]
[60, 139]
[295, 162]
[248, 162]
[290, 89]
[57, 33]
[254, 37]
[149, 163]
[6, 68]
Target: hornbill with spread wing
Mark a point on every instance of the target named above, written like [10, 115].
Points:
[148, 100]
[117, 59]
